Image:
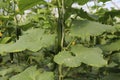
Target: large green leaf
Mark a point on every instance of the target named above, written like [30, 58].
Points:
[32, 73]
[67, 59]
[33, 39]
[78, 54]
[85, 28]
[90, 56]
[114, 46]
[26, 4]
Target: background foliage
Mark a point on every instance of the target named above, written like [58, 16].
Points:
[74, 45]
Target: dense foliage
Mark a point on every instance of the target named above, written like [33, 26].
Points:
[56, 41]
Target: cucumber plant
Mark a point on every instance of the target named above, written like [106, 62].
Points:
[75, 45]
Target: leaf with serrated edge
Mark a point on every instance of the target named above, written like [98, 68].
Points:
[80, 54]
[90, 56]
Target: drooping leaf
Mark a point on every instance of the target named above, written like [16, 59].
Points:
[33, 39]
[90, 56]
[84, 28]
[67, 59]
[114, 46]
[83, 14]
[32, 73]
[26, 4]
[78, 54]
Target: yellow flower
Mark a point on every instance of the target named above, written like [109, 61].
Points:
[73, 43]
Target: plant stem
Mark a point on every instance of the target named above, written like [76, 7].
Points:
[60, 72]
[61, 24]
[70, 43]
[61, 32]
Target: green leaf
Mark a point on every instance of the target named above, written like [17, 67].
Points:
[81, 2]
[33, 39]
[85, 28]
[4, 4]
[90, 56]
[32, 73]
[67, 59]
[68, 3]
[108, 16]
[3, 72]
[78, 54]
[9, 70]
[4, 17]
[26, 4]
[83, 14]
[5, 40]
[103, 0]
[46, 76]
[114, 46]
